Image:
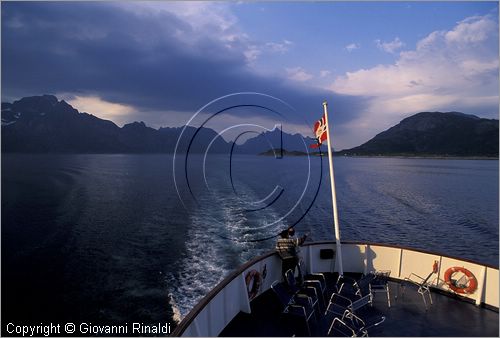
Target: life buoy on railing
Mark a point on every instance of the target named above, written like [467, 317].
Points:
[253, 281]
[467, 288]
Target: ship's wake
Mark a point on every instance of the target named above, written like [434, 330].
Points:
[219, 240]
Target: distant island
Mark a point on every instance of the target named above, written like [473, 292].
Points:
[431, 134]
[284, 152]
[43, 124]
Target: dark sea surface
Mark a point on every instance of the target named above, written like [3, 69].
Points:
[107, 238]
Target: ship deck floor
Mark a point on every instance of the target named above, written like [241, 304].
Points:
[407, 316]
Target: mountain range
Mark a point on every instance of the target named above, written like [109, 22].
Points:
[43, 124]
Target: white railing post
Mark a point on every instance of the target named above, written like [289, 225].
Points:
[480, 286]
[244, 302]
[310, 258]
[367, 258]
[399, 262]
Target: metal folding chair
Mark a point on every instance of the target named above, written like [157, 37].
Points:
[423, 285]
[351, 325]
[380, 284]
[294, 304]
[354, 289]
[339, 328]
[310, 291]
[338, 304]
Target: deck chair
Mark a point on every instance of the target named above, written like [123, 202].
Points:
[316, 280]
[423, 284]
[349, 313]
[380, 284]
[360, 303]
[351, 325]
[353, 289]
[294, 304]
[359, 325]
[319, 283]
[339, 328]
[338, 304]
[310, 291]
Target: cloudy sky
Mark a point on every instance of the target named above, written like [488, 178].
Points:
[375, 62]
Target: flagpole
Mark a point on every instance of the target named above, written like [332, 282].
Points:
[334, 195]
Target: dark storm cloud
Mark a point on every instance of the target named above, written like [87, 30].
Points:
[153, 61]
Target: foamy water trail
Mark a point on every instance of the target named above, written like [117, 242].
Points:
[215, 245]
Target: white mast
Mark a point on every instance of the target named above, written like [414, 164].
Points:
[334, 196]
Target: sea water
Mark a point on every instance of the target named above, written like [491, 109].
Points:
[114, 239]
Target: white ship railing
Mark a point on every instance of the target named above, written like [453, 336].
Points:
[212, 314]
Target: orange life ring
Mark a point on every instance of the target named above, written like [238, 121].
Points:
[469, 288]
[253, 281]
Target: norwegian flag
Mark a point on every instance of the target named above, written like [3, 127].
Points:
[320, 132]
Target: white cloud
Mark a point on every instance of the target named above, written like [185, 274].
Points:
[390, 47]
[252, 52]
[121, 113]
[208, 20]
[470, 30]
[298, 74]
[199, 23]
[14, 22]
[324, 73]
[448, 70]
[96, 106]
[201, 16]
[352, 46]
[279, 47]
